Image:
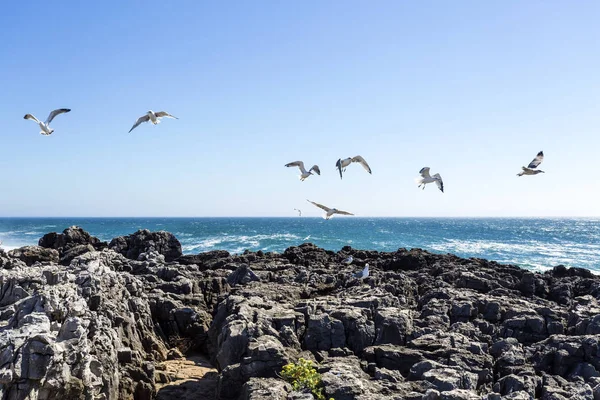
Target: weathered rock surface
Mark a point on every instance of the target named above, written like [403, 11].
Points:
[144, 241]
[421, 326]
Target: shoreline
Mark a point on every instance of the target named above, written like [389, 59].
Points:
[421, 325]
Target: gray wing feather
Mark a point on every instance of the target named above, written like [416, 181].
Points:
[55, 113]
[343, 212]
[321, 206]
[316, 169]
[143, 118]
[362, 162]
[537, 160]
[162, 114]
[425, 172]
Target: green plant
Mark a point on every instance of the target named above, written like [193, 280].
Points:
[303, 375]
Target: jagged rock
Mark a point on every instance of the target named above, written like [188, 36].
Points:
[71, 237]
[32, 254]
[422, 326]
[143, 241]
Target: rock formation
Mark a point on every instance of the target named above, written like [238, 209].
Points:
[83, 320]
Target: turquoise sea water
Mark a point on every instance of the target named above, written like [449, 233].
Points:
[535, 243]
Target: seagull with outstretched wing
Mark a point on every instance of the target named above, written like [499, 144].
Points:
[342, 163]
[299, 212]
[531, 168]
[303, 172]
[329, 212]
[45, 126]
[425, 178]
[153, 117]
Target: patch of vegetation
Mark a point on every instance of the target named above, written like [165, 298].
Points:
[304, 376]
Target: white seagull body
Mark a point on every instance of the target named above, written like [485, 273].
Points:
[425, 178]
[363, 274]
[153, 117]
[45, 126]
[303, 172]
[531, 168]
[341, 164]
[348, 260]
[329, 212]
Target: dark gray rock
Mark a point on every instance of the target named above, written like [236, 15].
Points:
[144, 241]
[32, 254]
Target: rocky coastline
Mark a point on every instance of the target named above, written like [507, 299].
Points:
[86, 319]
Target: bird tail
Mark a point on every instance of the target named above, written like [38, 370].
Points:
[419, 180]
[46, 133]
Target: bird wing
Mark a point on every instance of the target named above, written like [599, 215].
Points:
[425, 172]
[321, 206]
[537, 160]
[343, 212]
[338, 165]
[439, 182]
[55, 113]
[31, 117]
[143, 118]
[298, 164]
[362, 162]
[316, 169]
[162, 114]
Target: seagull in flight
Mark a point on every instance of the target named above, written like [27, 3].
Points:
[329, 212]
[304, 173]
[348, 260]
[341, 164]
[362, 274]
[45, 126]
[426, 178]
[531, 168]
[153, 117]
[299, 212]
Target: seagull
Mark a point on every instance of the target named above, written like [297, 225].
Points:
[45, 126]
[152, 117]
[531, 168]
[329, 211]
[426, 178]
[305, 174]
[362, 274]
[341, 164]
[348, 260]
[299, 212]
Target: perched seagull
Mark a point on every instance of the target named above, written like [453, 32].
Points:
[152, 117]
[299, 212]
[531, 168]
[329, 211]
[363, 274]
[341, 164]
[45, 126]
[348, 260]
[304, 173]
[426, 178]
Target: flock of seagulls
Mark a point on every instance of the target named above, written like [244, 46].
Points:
[424, 178]
[150, 116]
[341, 164]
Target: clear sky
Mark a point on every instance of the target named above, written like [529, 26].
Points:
[472, 89]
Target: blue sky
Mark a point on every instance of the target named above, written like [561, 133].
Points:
[471, 89]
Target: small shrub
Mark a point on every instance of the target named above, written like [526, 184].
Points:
[303, 376]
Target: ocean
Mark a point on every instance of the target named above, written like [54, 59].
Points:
[533, 243]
